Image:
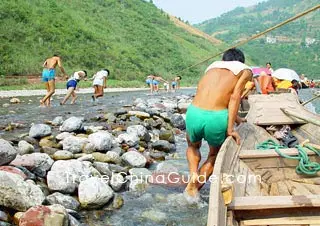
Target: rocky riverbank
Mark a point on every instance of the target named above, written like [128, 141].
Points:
[66, 166]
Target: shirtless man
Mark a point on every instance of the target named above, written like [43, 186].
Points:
[48, 76]
[212, 115]
[156, 82]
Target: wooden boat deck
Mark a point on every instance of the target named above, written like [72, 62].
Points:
[269, 186]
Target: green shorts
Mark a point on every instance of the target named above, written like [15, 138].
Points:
[207, 124]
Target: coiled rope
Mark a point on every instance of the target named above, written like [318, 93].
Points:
[305, 166]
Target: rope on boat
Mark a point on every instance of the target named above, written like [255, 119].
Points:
[256, 36]
[305, 166]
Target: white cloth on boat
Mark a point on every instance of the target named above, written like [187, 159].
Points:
[234, 66]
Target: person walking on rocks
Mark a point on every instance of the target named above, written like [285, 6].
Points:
[72, 86]
[99, 83]
[212, 115]
[48, 77]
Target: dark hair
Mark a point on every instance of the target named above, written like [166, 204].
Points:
[56, 55]
[85, 73]
[107, 71]
[295, 84]
[268, 63]
[179, 77]
[233, 55]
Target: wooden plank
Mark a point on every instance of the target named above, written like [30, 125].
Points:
[246, 154]
[274, 202]
[283, 221]
[274, 191]
[297, 189]
[314, 189]
[283, 189]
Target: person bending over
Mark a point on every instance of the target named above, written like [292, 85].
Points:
[99, 83]
[72, 86]
[213, 113]
[176, 83]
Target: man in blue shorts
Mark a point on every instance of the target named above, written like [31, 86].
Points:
[176, 83]
[48, 76]
[72, 85]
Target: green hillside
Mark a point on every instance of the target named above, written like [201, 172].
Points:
[130, 37]
[297, 45]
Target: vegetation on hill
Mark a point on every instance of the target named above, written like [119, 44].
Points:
[297, 45]
[131, 38]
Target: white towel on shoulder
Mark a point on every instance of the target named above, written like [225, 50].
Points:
[234, 66]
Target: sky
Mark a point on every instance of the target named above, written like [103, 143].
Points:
[196, 11]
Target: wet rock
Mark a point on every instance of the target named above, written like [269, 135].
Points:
[31, 140]
[18, 194]
[74, 144]
[170, 105]
[65, 176]
[39, 131]
[94, 192]
[54, 215]
[117, 150]
[48, 142]
[29, 175]
[138, 185]
[163, 145]
[57, 121]
[110, 117]
[25, 147]
[118, 169]
[38, 163]
[165, 167]
[7, 152]
[183, 106]
[63, 135]
[140, 114]
[62, 155]
[4, 216]
[157, 155]
[103, 168]
[117, 202]
[102, 141]
[140, 173]
[14, 170]
[167, 135]
[106, 158]
[15, 100]
[178, 121]
[6, 105]
[139, 131]
[65, 200]
[117, 181]
[128, 138]
[88, 148]
[166, 116]
[48, 150]
[134, 159]
[155, 216]
[120, 111]
[72, 124]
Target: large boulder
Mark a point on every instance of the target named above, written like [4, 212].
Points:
[163, 145]
[17, 193]
[102, 140]
[94, 193]
[38, 163]
[167, 135]
[15, 170]
[39, 131]
[74, 144]
[139, 131]
[57, 121]
[65, 176]
[72, 124]
[25, 147]
[65, 200]
[134, 159]
[7, 152]
[55, 215]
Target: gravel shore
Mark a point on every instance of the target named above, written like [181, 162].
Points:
[23, 93]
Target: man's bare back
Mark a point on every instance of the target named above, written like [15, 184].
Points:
[52, 62]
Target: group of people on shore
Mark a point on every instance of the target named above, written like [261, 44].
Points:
[153, 81]
[49, 74]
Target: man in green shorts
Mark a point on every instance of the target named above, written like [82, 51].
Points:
[213, 113]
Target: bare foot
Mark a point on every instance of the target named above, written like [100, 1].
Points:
[74, 100]
[41, 103]
[192, 189]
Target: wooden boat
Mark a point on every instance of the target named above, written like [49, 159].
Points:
[267, 191]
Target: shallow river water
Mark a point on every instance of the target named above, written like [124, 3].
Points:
[158, 205]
